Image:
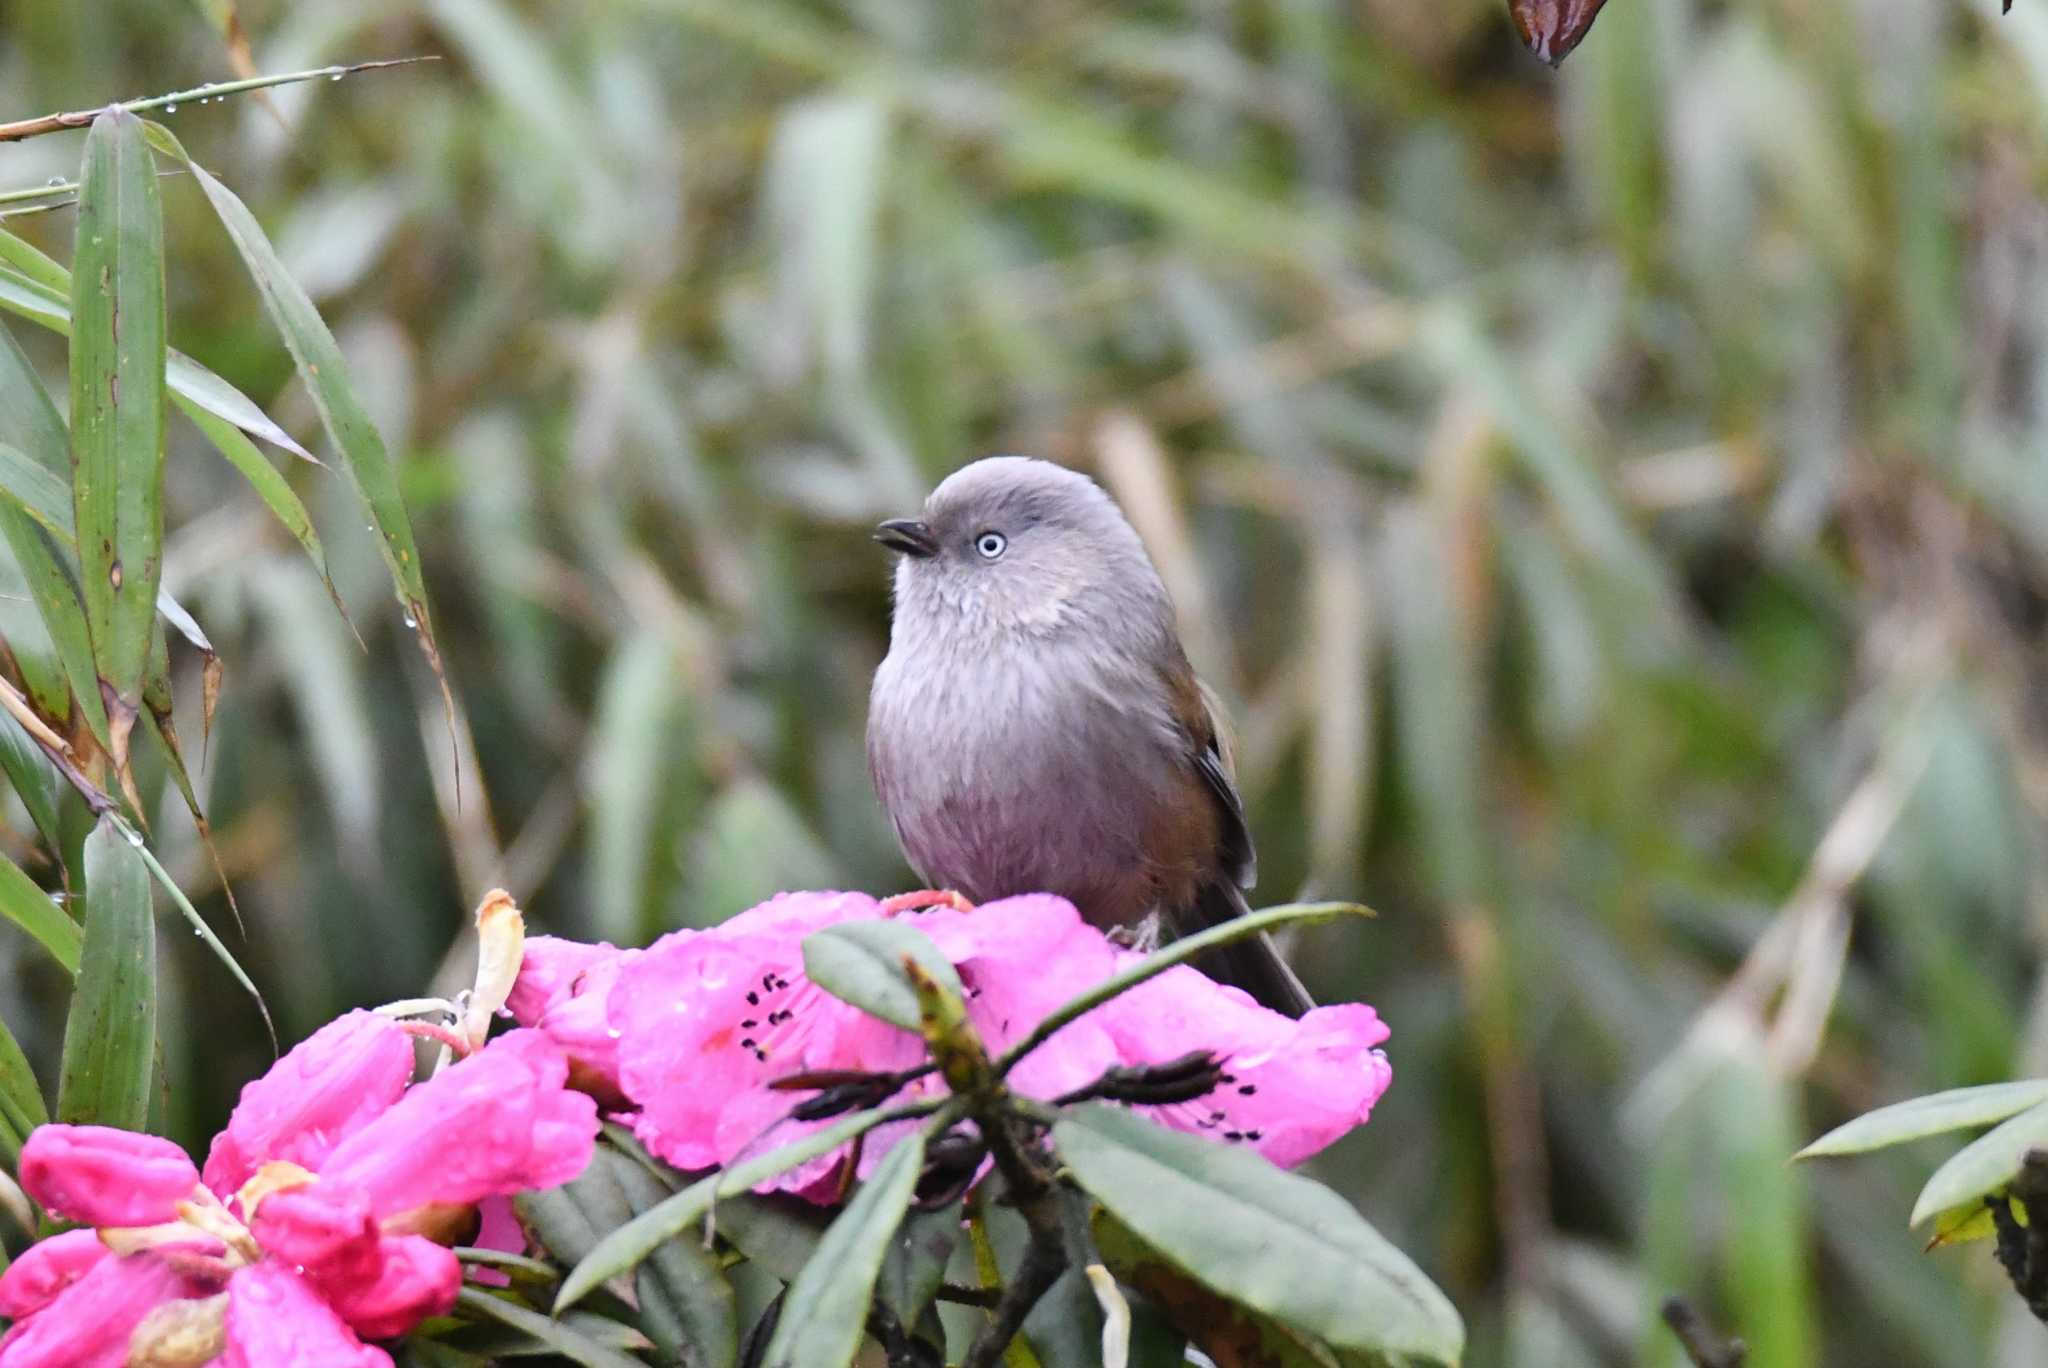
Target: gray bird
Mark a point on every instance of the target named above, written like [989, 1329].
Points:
[1036, 726]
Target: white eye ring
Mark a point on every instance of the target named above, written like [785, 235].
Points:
[991, 544]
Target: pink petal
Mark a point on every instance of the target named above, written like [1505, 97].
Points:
[324, 1230]
[706, 1020]
[1290, 1087]
[550, 972]
[499, 1122]
[331, 1085]
[578, 1021]
[89, 1323]
[100, 1176]
[416, 1278]
[276, 1320]
[497, 1228]
[1019, 959]
[45, 1269]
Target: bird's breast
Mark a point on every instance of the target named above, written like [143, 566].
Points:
[1025, 772]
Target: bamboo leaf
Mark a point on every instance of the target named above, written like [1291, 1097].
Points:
[827, 1306]
[110, 1036]
[118, 356]
[34, 782]
[342, 414]
[21, 1098]
[270, 485]
[31, 909]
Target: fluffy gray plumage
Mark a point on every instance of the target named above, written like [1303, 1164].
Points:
[1036, 727]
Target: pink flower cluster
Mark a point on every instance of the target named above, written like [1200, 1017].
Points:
[310, 1228]
[685, 1037]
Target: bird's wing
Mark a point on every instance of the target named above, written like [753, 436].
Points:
[1206, 726]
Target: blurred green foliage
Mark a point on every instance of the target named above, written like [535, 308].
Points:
[1611, 501]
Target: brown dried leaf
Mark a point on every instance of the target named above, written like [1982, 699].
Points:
[1552, 28]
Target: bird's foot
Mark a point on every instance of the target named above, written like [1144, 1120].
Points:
[923, 899]
[1142, 935]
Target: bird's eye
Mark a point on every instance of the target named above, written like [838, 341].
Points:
[991, 544]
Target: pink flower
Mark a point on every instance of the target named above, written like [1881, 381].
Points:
[311, 1215]
[698, 1025]
[562, 989]
[706, 1019]
[100, 1176]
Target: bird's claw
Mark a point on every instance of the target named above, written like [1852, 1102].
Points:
[923, 899]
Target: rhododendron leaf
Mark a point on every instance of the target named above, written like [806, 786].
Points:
[110, 1035]
[916, 1262]
[1180, 952]
[1279, 1243]
[1985, 1165]
[686, 1306]
[862, 963]
[518, 1267]
[1935, 1114]
[632, 1242]
[1970, 1221]
[826, 1310]
[21, 1100]
[1223, 1329]
[776, 1230]
[570, 1342]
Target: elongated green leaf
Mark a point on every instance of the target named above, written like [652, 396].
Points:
[1277, 1242]
[41, 292]
[916, 1262]
[21, 1099]
[1935, 1114]
[118, 356]
[199, 927]
[325, 375]
[827, 1306]
[34, 782]
[270, 486]
[625, 1247]
[686, 1306]
[681, 1295]
[775, 1230]
[570, 1343]
[110, 1036]
[1985, 1165]
[1180, 952]
[862, 963]
[31, 909]
[58, 664]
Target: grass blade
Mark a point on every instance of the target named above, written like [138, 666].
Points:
[118, 356]
[110, 1037]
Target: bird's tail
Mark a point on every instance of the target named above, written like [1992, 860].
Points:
[1253, 964]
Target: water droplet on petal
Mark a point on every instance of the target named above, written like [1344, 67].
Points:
[613, 1033]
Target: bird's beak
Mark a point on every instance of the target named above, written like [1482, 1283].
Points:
[909, 536]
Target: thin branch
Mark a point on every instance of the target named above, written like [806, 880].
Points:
[1698, 1339]
[80, 118]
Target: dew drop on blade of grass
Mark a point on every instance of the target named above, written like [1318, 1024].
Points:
[170, 109]
[55, 181]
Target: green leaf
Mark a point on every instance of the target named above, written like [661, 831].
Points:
[31, 909]
[198, 925]
[862, 963]
[569, 1343]
[342, 414]
[270, 486]
[778, 1231]
[1279, 1243]
[1935, 1114]
[28, 769]
[26, 258]
[1180, 952]
[686, 1306]
[118, 356]
[110, 1036]
[632, 1242]
[21, 1098]
[826, 1311]
[1985, 1165]
[58, 665]
[916, 1264]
